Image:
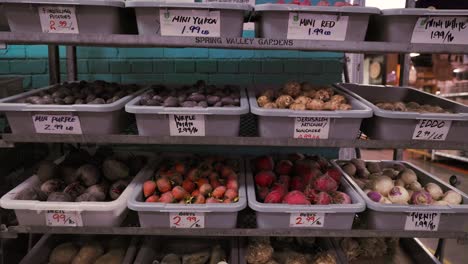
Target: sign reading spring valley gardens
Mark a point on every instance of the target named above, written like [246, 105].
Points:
[178, 22]
[441, 30]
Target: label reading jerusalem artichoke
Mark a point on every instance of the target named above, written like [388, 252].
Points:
[187, 220]
[58, 19]
[63, 218]
[187, 125]
[307, 219]
[432, 129]
[316, 26]
[441, 30]
[422, 221]
[192, 23]
[311, 127]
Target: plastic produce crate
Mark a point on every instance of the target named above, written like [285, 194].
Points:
[398, 25]
[83, 16]
[33, 212]
[39, 253]
[94, 119]
[394, 125]
[218, 121]
[216, 215]
[220, 19]
[342, 23]
[336, 216]
[281, 123]
[393, 216]
[10, 86]
[155, 248]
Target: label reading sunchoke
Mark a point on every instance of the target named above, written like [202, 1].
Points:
[63, 218]
[58, 19]
[422, 221]
[441, 30]
[57, 124]
[432, 129]
[307, 219]
[178, 22]
[187, 125]
[316, 26]
[311, 127]
[187, 220]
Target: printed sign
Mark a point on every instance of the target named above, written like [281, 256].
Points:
[187, 220]
[441, 30]
[311, 127]
[187, 125]
[307, 219]
[58, 19]
[189, 22]
[250, 2]
[63, 218]
[57, 124]
[317, 27]
[424, 221]
[432, 129]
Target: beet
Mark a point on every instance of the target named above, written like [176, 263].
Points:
[89, 174]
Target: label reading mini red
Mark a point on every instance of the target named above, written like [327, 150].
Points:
[58, 19]
[187, 220]
[311, 127]
[57, 124]
[422, 221]
[307, 219]
[63, 218]
[432, 129]
[317, 26]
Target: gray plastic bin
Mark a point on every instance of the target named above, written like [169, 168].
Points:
[155, 248]
[10, 86]
[94, 119]
[148, 19]
[92, 16]
[384, 124]
[219, 121]
[397, 25]
[393, 216]
[279, 123]
[274, 18]
[157, 214]
[337, 216]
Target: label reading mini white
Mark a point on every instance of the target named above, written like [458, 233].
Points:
[317, 27]
[425, 221]
[189, 22]
[57, 124]
[307, 219]
[187, 220]
[442, 30]
[187, 125]
[58, 19]
[432, 129]
[63, 218]
[250, 2]
[311, 127]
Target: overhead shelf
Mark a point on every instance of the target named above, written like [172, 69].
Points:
[228, 43]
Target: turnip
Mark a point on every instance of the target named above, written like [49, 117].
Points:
[366, 191]
[400, 182]
[441, 202]
[375, 196]
[421, 198]
[410, 192]
[416, 186]
[434, 190]
[383, 185]
[452, 197]
[385, 200]
[390, 173]
[398, 195]
[408, 176]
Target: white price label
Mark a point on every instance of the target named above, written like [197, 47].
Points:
[63, 218]
[189, 22]
[426, 221]
[187, 220]
[432, 129]
[317, 27]
[58, 19]
[307, 219]
[57, 124]
[442, 30]
[250, 2]
[187, 125]
[311, 127]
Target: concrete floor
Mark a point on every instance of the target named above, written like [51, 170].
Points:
[455, 253]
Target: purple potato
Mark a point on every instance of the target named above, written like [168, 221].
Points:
[212, 99]
[171, 101]
[227, 100]
[197, 97]
[218, 104]
[189, 104]
[203, 104]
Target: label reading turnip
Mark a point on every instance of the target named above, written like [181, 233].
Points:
[187, 220]
[63, 218]
[441, 30]
[306, 220]
[58, 19]
[317, 27]
[57, 124]
[422, 221]
[311, 127]
[187, 125]
[432, 129]
[175, 22]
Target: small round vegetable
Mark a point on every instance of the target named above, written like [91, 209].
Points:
[452, 197]
[375, 196]
[383, 185]
[350, 169]
[373, 167]
[398, 195]
[408, 176]
[262, 100]
[284, 101]
[416, 186]
[441, 202]
[302, 100]
[385, 200]
[297, 106]
[315, 104]
[434, 190]
[421, 198]
[292, 89]
[400, 182]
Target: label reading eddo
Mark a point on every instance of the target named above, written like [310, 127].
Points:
[193, 23]
[316, 26]
[307, 219]
[63, 218]
[187, 125]
[422, 221]
[432, 129]
[441, 30]
[187, 220]
[311, 127]
[57, 124]
[58, 19]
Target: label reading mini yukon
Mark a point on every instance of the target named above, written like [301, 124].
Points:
[192, 23]
[311, 127]
[317, 27]
[441, 30]
[58, 19]
[187, 220]
[57, 124]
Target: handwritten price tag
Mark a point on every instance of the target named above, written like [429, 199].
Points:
[57, 124]
[442, 30]
[187, 220]
[311, 127]
[317, 27]
[189, 22]
[307, 219]
[427, 221]
[250, 2]
[58, 19]
[187, 125]
[431, 129]
[63, 218]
